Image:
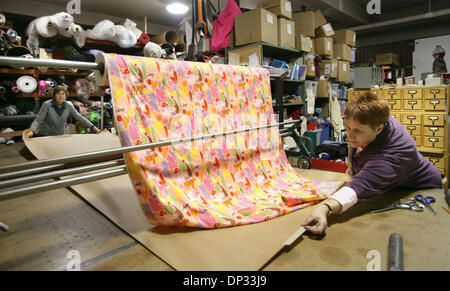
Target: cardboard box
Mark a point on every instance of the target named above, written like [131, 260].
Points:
[329, 68]
[342, 51]
[250, 55]
[324, 46]
[319, 19]
[324, 30]
[231, 39]
[343, 71]
[345, 36]
[387, 59]
[282, 8]
[323, 88]
[303, 43]
[304, 23]
[256, 25]
[310, 68]
[286, 33]
[313, 46]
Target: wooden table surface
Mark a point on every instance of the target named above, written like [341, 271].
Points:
[43, 227]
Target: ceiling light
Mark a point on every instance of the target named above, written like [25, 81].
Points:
[177, 8]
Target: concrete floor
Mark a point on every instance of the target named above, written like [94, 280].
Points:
[46, 227]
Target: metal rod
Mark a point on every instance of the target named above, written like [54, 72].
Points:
[27, 172]
[286, 134]
[60, 64]
[110, 152]
[61, 183]
[60, 173]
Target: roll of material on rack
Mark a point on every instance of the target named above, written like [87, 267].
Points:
[101, 76]
[2, 19]
[168, 36]
[26, 84]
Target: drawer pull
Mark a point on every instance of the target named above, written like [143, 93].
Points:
[392, 93]
[433, 118]
[433, 140]
[435, 92]
[392, 103]
[412, 93]
[411, 129]
[411, 118]
[412, 103]
[434, 161]
[434, 129]
[434, 103]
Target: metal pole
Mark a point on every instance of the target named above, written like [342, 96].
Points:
[60, 64]
[60, 173]
[29, 172]
[61, 183]
[105, 153]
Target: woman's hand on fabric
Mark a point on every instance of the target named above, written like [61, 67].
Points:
[28, 133]
[316, 223]
[96, 130]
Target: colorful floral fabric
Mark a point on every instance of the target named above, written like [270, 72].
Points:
[224, 181]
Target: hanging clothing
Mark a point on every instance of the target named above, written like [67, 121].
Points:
[223, 25]
[336, 116]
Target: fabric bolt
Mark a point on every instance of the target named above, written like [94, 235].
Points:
[225, 181]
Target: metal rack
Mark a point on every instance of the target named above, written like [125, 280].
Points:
[110, 161]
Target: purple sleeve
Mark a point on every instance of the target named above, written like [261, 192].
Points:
[378, 175]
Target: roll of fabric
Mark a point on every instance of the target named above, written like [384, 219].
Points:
[27, 84]
[225, 181]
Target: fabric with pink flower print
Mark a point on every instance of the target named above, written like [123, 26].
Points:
[223, 181]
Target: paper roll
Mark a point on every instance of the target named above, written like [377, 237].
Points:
[26, 84]
[101, 76]
[45, 27]
[2, 19]
[168, 36]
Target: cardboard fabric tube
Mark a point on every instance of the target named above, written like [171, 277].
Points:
[168, 36]
[101, 76]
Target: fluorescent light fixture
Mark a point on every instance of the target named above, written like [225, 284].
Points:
[177, 8]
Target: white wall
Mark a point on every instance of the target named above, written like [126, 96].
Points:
[423, 54]
[38, 9]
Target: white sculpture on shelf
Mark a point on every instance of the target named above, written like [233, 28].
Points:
[49, 26]
[107, 30]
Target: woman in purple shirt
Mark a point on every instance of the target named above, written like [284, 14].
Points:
[382, 156]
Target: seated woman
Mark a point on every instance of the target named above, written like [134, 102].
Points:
[53, 115]
[383, 155]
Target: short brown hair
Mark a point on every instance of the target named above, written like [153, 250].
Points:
[60, 88]
[368, 109]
